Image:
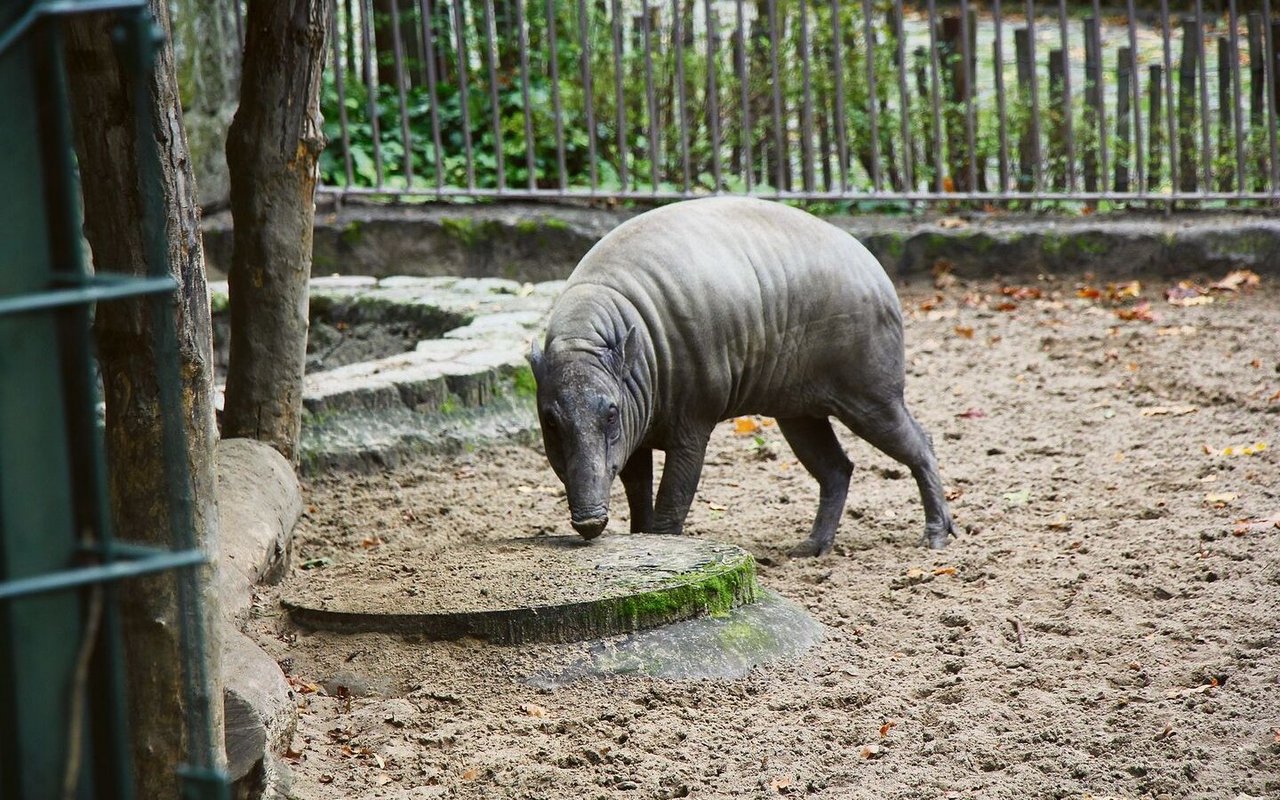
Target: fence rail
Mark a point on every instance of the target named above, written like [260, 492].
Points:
[825, 100]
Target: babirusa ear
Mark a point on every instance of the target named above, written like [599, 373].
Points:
[630, 350]
[537, 364]
[623, 354]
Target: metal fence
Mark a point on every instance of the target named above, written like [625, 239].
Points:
[857, 100]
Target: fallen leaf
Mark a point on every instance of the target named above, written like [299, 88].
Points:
[1021, 292]
[1175, 411]
[1220, 499]
[470, 774]
[1237, 279]
[931, 304]
[326, 778]
[1275, 735]
[1256, 363]
[1139, 313]
[1007, 306]
[370, 542]
[465, 472]
[717, 506]
[744, 426]
[942, 277]
[1061, 523]
[1088, 293]
[1187, 293]
[1187, 302]
[1273, 398]
[885, 728]
[972, 413]
[1120, 291]
[1165, 733]
[872, 751]
[952, 222]
[1019, 498]
[534, 710]
[941, 571]
[1245, 450]
[964, 332]
[1257, 525]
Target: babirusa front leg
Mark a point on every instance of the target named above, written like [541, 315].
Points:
[679, 483]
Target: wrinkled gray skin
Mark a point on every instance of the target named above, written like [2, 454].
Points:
[709, 309]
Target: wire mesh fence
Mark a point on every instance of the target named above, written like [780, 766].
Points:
[855, 100]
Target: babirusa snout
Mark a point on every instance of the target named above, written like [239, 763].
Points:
[589, 527]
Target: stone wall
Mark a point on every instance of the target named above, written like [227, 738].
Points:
[534, 242]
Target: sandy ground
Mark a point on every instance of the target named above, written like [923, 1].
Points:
[1105, 624]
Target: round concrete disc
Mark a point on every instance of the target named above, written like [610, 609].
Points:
[546, 588]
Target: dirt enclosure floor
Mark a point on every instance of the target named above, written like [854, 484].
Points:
[1107, 623]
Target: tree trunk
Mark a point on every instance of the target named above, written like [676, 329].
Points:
[272, 149]
[114, 209]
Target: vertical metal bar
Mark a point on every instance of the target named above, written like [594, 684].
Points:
[588, 93]
[1036, 157]
[904, 99]
[531, 164]
[837, 71]
[779, 153]
[806, 101]
[340, 82]
[1238, 95]
[397, 52]
[490, 39]
[677, 50]
[1139, 163]
[1002, 117]
[619, 108]
[426, 14]
[655, 152]
[371, 93]
[1068, 123]
[970, 91]
[745, 99]
[1268, 44]
[1168, 97]
[935, 100]
[433, 98]
[464, 94]
[873, 96]
[1206, 153]
[1104, 145]
[555, 95]
[713, 96]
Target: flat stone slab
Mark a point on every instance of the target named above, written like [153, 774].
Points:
[546, 588]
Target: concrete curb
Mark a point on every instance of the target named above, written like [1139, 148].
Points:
[259, 502]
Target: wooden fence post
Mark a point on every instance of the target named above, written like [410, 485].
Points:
[1155, 93]
[1188, 166]
[1124, 90]
[1026, 150]
[1057, 122]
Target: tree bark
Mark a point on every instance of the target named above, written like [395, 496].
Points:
[114, 210]
[272, 149]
